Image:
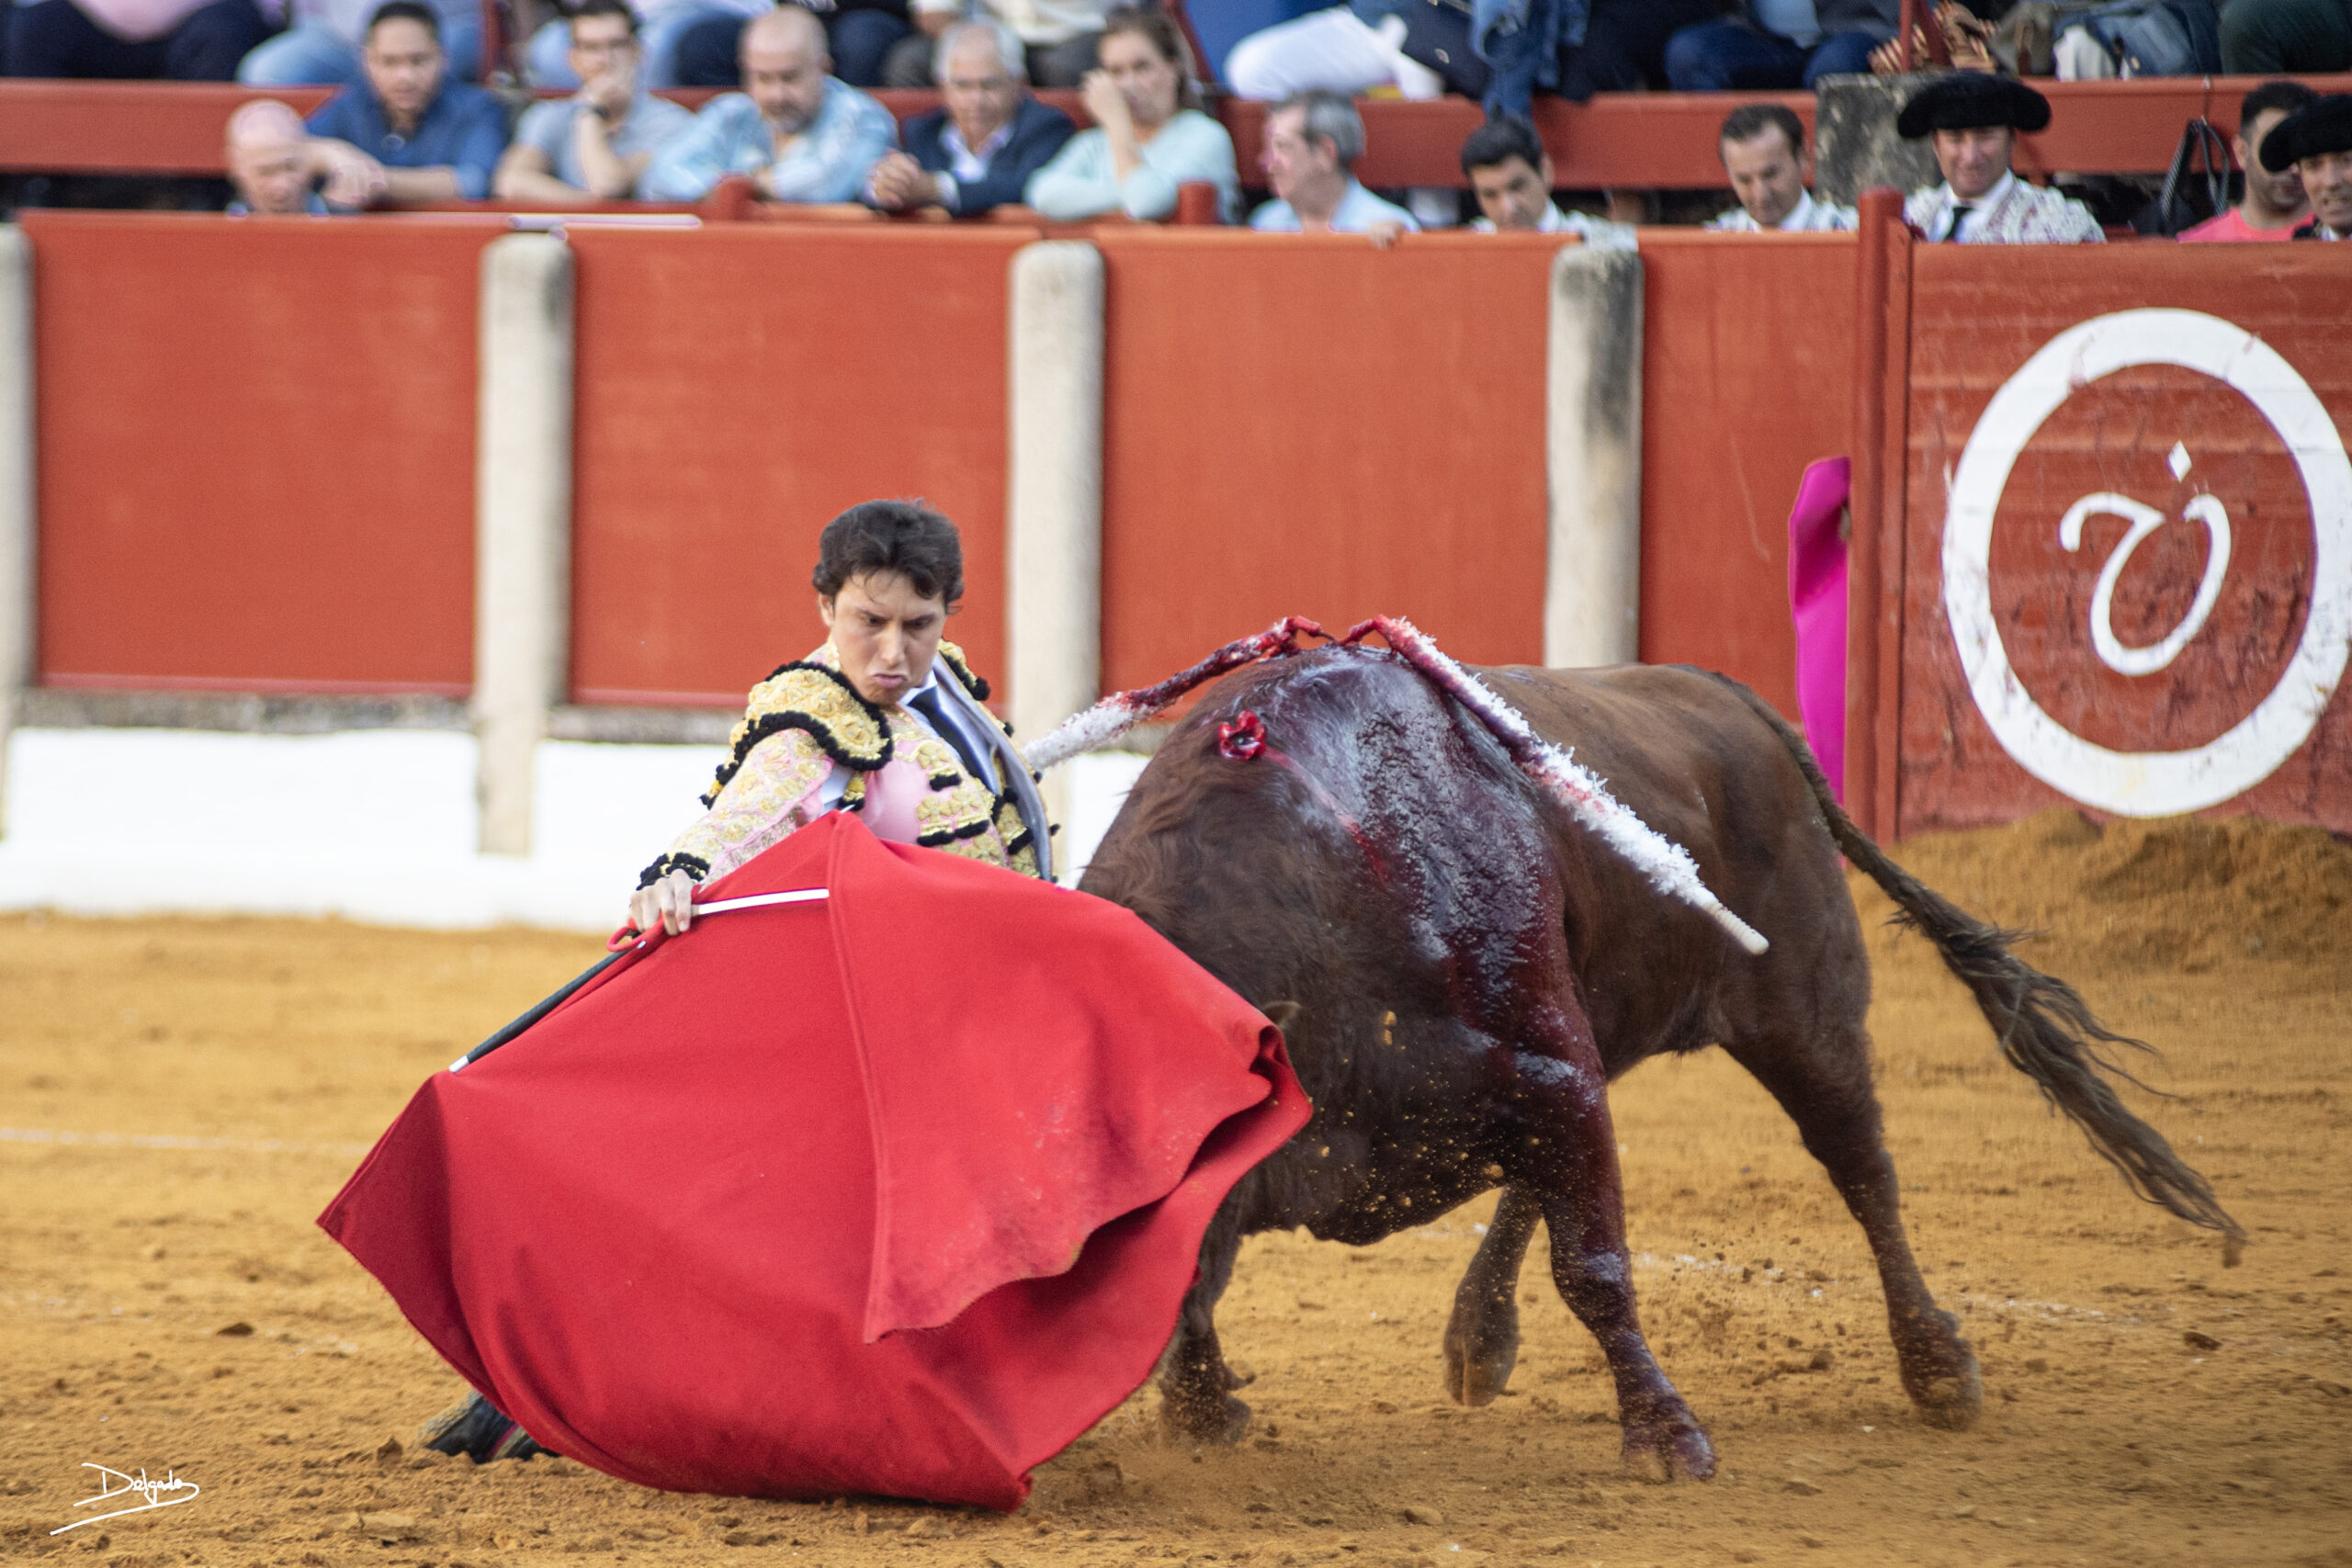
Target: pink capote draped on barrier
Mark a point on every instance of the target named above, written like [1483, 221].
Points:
[894, 1193]
[1817, 604]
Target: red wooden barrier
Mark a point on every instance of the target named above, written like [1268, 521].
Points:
[150, 127]
[255, 452]
[1747, 367]
[738, 387]
[2127, 533]
[1315, 427]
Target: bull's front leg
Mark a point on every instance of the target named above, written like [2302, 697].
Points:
[1196, 1402]
[1482, 1337]
[1565, 1156]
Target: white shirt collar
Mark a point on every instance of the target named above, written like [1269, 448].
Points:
[1979, 209]
[969, 163]
[1800, 216]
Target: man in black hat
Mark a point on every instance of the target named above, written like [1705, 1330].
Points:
[1974, 119]
[2316, 142]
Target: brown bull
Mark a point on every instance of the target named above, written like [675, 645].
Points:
[1470, 967]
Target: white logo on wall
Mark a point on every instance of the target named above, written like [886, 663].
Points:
[2151, 784]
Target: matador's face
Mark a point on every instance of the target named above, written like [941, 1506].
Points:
[885, 634]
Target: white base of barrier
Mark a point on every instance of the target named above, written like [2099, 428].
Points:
[376, 826]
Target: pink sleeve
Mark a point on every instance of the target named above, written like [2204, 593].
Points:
[763, 802]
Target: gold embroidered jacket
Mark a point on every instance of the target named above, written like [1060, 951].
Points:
[805, 726]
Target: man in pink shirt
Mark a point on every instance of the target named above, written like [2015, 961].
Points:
[2274, 204]
[182, 40]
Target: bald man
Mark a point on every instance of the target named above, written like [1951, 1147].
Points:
[798, 133]
[271, 162]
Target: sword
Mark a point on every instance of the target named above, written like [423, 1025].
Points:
[724, 905]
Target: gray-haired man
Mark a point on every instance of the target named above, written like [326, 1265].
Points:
[1313, 139]
[978, 150]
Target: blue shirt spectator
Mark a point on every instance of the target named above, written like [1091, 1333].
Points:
[599, 142]
[797, 132]
[1313, 139]
[405, 131]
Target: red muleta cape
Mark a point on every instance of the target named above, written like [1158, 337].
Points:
[895, 1192]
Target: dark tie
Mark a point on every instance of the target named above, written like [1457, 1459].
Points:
[927, 704]
[1959, 214]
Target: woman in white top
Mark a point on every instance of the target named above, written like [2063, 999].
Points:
[1149, 135]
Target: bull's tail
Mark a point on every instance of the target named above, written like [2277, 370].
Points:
[2046, 1030]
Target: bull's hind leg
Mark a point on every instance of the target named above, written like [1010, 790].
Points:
[1565, 1156]
[1196, 1401]
[1823, 1081]
[1482, 1337]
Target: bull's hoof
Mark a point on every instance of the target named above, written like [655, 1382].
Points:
[1942, 1380]
[1953, 1401]
[1668, 1447]
[1479, 1366]
[1221, 1420]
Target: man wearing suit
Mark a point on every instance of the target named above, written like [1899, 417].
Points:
[980, 150]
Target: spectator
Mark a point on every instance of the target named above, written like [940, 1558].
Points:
[1974, 120]
[1149, 135]
[322, 47]
[548, 57]
[1357, 48]
[177, 40]
[1511, 176]
[1763, 152]
[800, 133]
[271, 162]
[2273, 203]
[860, 34]
[2286, 37]
[978, 151]
[404, 132]
[2316, 141]
[1312, 143]
[598, 143]
[1059, 37]
[1780, 44]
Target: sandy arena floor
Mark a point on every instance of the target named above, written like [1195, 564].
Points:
[181, 1096]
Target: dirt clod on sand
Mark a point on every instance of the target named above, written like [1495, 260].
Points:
[178, 1099]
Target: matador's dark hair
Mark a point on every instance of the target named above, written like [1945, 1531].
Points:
[903, 536]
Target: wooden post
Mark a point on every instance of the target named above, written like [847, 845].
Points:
[1874, 566]
[19, 517]
[522, 525]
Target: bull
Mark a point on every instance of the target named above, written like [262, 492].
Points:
[1350, 838]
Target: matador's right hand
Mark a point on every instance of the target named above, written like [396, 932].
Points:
[668, 902]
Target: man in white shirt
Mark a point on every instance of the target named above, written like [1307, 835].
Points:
[1510, 174]
[1974, 119]
[2316, 142]
[1764, 156]
[1313, 139]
